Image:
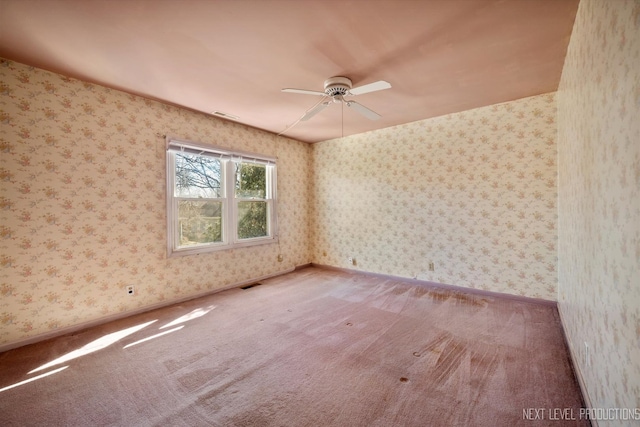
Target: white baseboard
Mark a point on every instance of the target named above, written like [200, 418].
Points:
[102, 320]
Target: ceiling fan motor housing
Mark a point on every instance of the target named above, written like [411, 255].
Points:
[337, 86]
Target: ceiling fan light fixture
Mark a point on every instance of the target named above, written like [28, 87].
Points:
[337, 86]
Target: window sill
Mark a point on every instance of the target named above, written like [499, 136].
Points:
[202, 249]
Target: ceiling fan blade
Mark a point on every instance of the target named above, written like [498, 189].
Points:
[303, 91]
[369, 114]
[371, 87]
[315, 110]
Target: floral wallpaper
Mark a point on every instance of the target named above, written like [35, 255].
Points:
[599, 194]
[474, 193]
[82, 203]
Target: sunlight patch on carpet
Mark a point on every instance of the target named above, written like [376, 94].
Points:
[33, 379]
[198, 312]
[93, 346]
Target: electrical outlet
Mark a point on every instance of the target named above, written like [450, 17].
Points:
[280, 258]
[587, 355]
[432, 267]
[130, 290]
[351, 261]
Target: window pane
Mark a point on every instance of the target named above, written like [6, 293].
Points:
[251, 181]
[252, 220]
[198, 176]
[199, 222]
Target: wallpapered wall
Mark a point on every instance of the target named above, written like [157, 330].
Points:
[82, 203]
[472, 192]
[599, 194]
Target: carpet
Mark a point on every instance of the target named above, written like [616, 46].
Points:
[315, 347]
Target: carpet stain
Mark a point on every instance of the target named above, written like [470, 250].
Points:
[399, 290]
[457, 297]
[438, 296]
[468, 299]
[404, 379]
[419, 291]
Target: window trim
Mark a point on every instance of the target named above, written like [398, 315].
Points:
[227, 157]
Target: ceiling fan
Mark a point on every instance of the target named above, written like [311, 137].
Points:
[335, 91]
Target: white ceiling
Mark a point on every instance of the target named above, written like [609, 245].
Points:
[235, 56]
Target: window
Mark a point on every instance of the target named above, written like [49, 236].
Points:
[218, 199]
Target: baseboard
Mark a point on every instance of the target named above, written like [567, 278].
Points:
[576, 368]
[117, 316]
[443, 286]
[81, 326]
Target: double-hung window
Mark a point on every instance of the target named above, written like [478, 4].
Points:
[218, 199]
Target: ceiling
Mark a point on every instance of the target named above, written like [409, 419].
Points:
[235, 56]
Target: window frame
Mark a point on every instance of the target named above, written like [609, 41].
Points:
[229, 218]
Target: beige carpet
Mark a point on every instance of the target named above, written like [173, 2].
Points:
[311, 348]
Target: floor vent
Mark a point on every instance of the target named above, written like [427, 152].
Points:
[250, 286]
